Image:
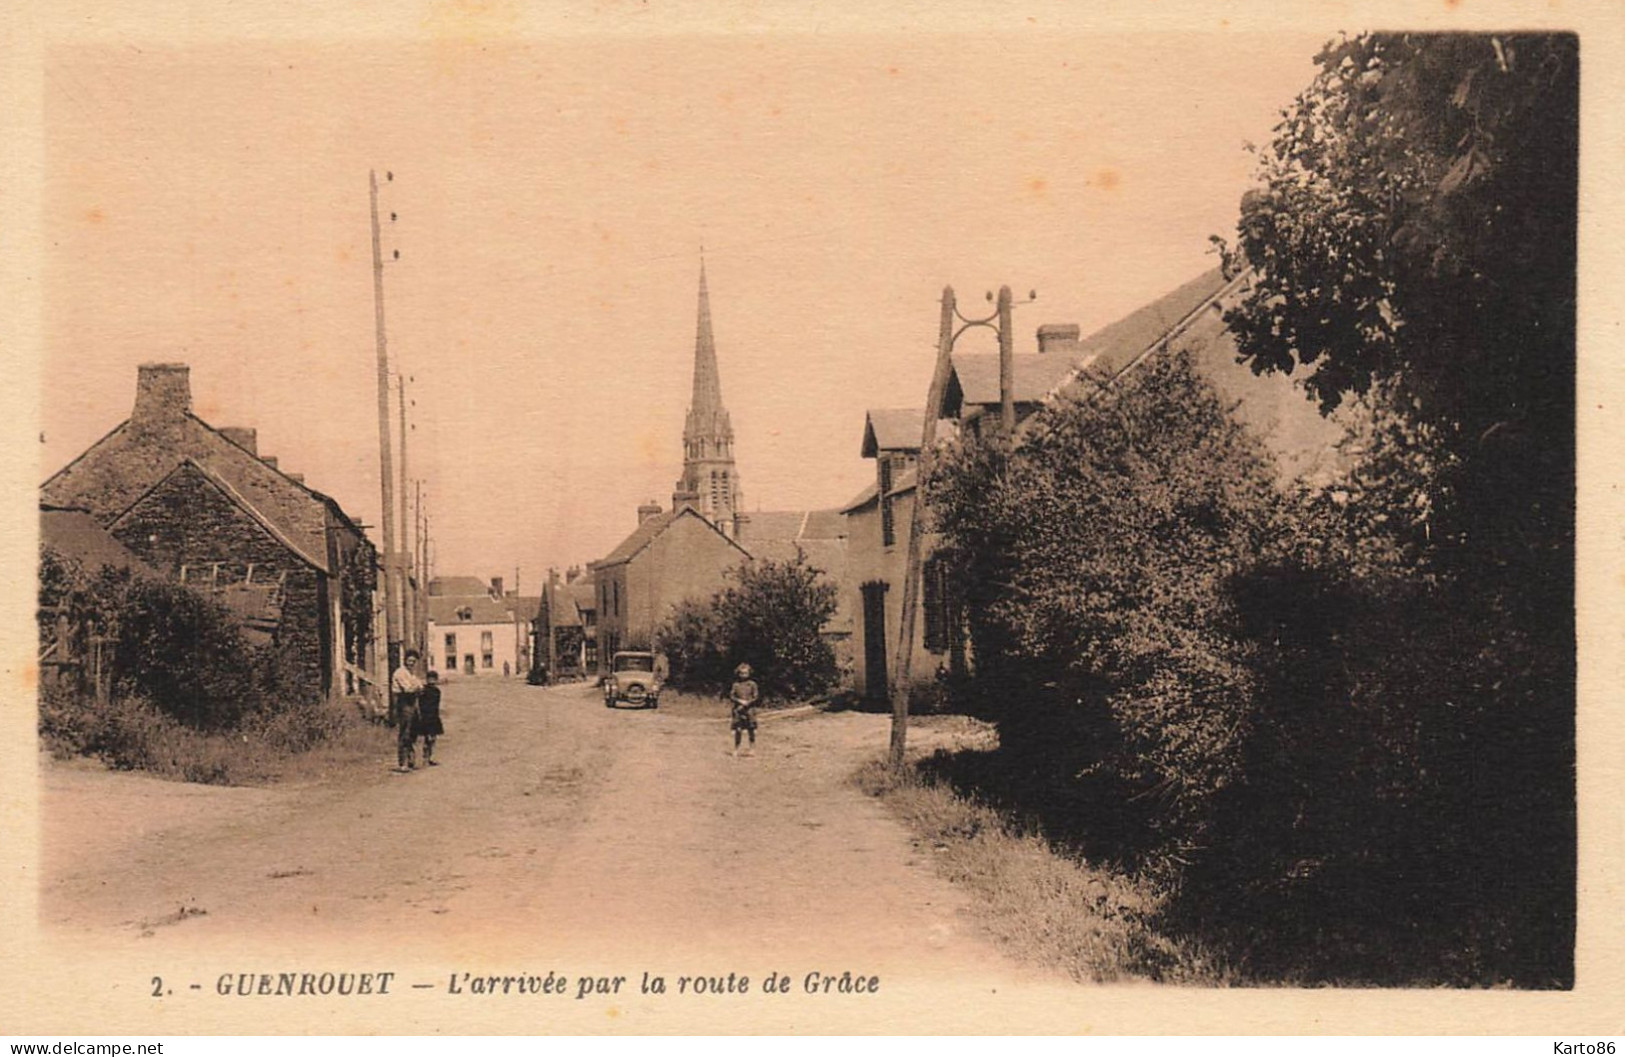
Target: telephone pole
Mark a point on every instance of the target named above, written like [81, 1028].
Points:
[392, 601]
[409, 621]
[947, 334]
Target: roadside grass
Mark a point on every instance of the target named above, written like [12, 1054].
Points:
[1042, 905]
[301, 743]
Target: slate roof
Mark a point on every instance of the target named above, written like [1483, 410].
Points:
[74, 533]
[869, 494]
[1273, 406]
[483, 610]
[298, 545]
[585, 594]
[568, 615]
[116, 471]
[651, 527]
[818, 536]
[458, 586]
[892, 429]
[772, 525]
[526, 607]
[975, 378]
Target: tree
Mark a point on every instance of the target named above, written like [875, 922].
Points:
[1412, 243]
[1414, 230]
[1096, 560]
[771, 616]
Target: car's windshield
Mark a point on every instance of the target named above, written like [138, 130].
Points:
[644, 663]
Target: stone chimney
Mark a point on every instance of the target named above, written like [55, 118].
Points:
[496, 587]
[572, 574]
[244, 438]
[163, 395]
[682, 497]
[269, 460]
[648, 510]
[741, 525]
[1062, 338]
[296, 478]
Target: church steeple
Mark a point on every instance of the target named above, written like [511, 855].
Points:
[710, 482]
[706, 414]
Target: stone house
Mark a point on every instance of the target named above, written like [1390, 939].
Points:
[1189, 317]
[201, 506]
[668, 558]
[567, 625]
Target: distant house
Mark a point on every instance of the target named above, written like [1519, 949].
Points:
[1189, 317]
[819, 537]
[668, 558]
[878, 520]
[477, 630]
[202, 507]
[568, 625]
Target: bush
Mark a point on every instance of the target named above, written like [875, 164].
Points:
[186, 653]
[1097, 562]
[772, 617]
[690, 637]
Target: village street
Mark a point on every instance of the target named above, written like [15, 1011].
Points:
[555, 831]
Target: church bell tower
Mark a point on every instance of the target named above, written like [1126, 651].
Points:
[710, 481]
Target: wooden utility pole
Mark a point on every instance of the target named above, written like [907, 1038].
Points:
[420, 610]
[916, 528]
[392, 600]
[1007, 366]
[409, 602]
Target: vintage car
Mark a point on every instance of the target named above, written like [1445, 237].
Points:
[632, 678]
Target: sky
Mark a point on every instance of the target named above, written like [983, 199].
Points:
[209, 205]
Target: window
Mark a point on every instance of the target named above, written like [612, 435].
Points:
[466, 613]
[485, 641]
[888, 527]
[937, 612]
[486, 660]
[451, 653]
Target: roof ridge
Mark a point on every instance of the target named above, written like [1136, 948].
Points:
[1178, 327]
[235, 496]
[77, 459]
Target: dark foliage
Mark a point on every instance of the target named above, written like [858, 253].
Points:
[1413, 240]
[1339, 724]
[771, 616]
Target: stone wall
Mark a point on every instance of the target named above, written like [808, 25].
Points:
[188, 520]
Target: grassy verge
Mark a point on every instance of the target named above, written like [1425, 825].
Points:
[303, 743]
[1041, 906]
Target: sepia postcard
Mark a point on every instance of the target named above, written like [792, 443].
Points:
[909, 518]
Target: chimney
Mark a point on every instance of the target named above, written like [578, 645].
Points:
[296, 478]
[163, 394]
[572, 574]
[1062, 338]
[244, 438]
[741, 524]
[648, 510]
[496, 586]
[269, 460]
[682, 498]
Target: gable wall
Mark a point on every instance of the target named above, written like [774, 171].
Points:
[188, 520]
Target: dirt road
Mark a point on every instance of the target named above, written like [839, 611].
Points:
[554, 827]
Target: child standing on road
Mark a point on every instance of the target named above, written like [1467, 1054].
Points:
[429, 718]
[745, 696]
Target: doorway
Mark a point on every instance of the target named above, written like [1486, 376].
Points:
[874, 640]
